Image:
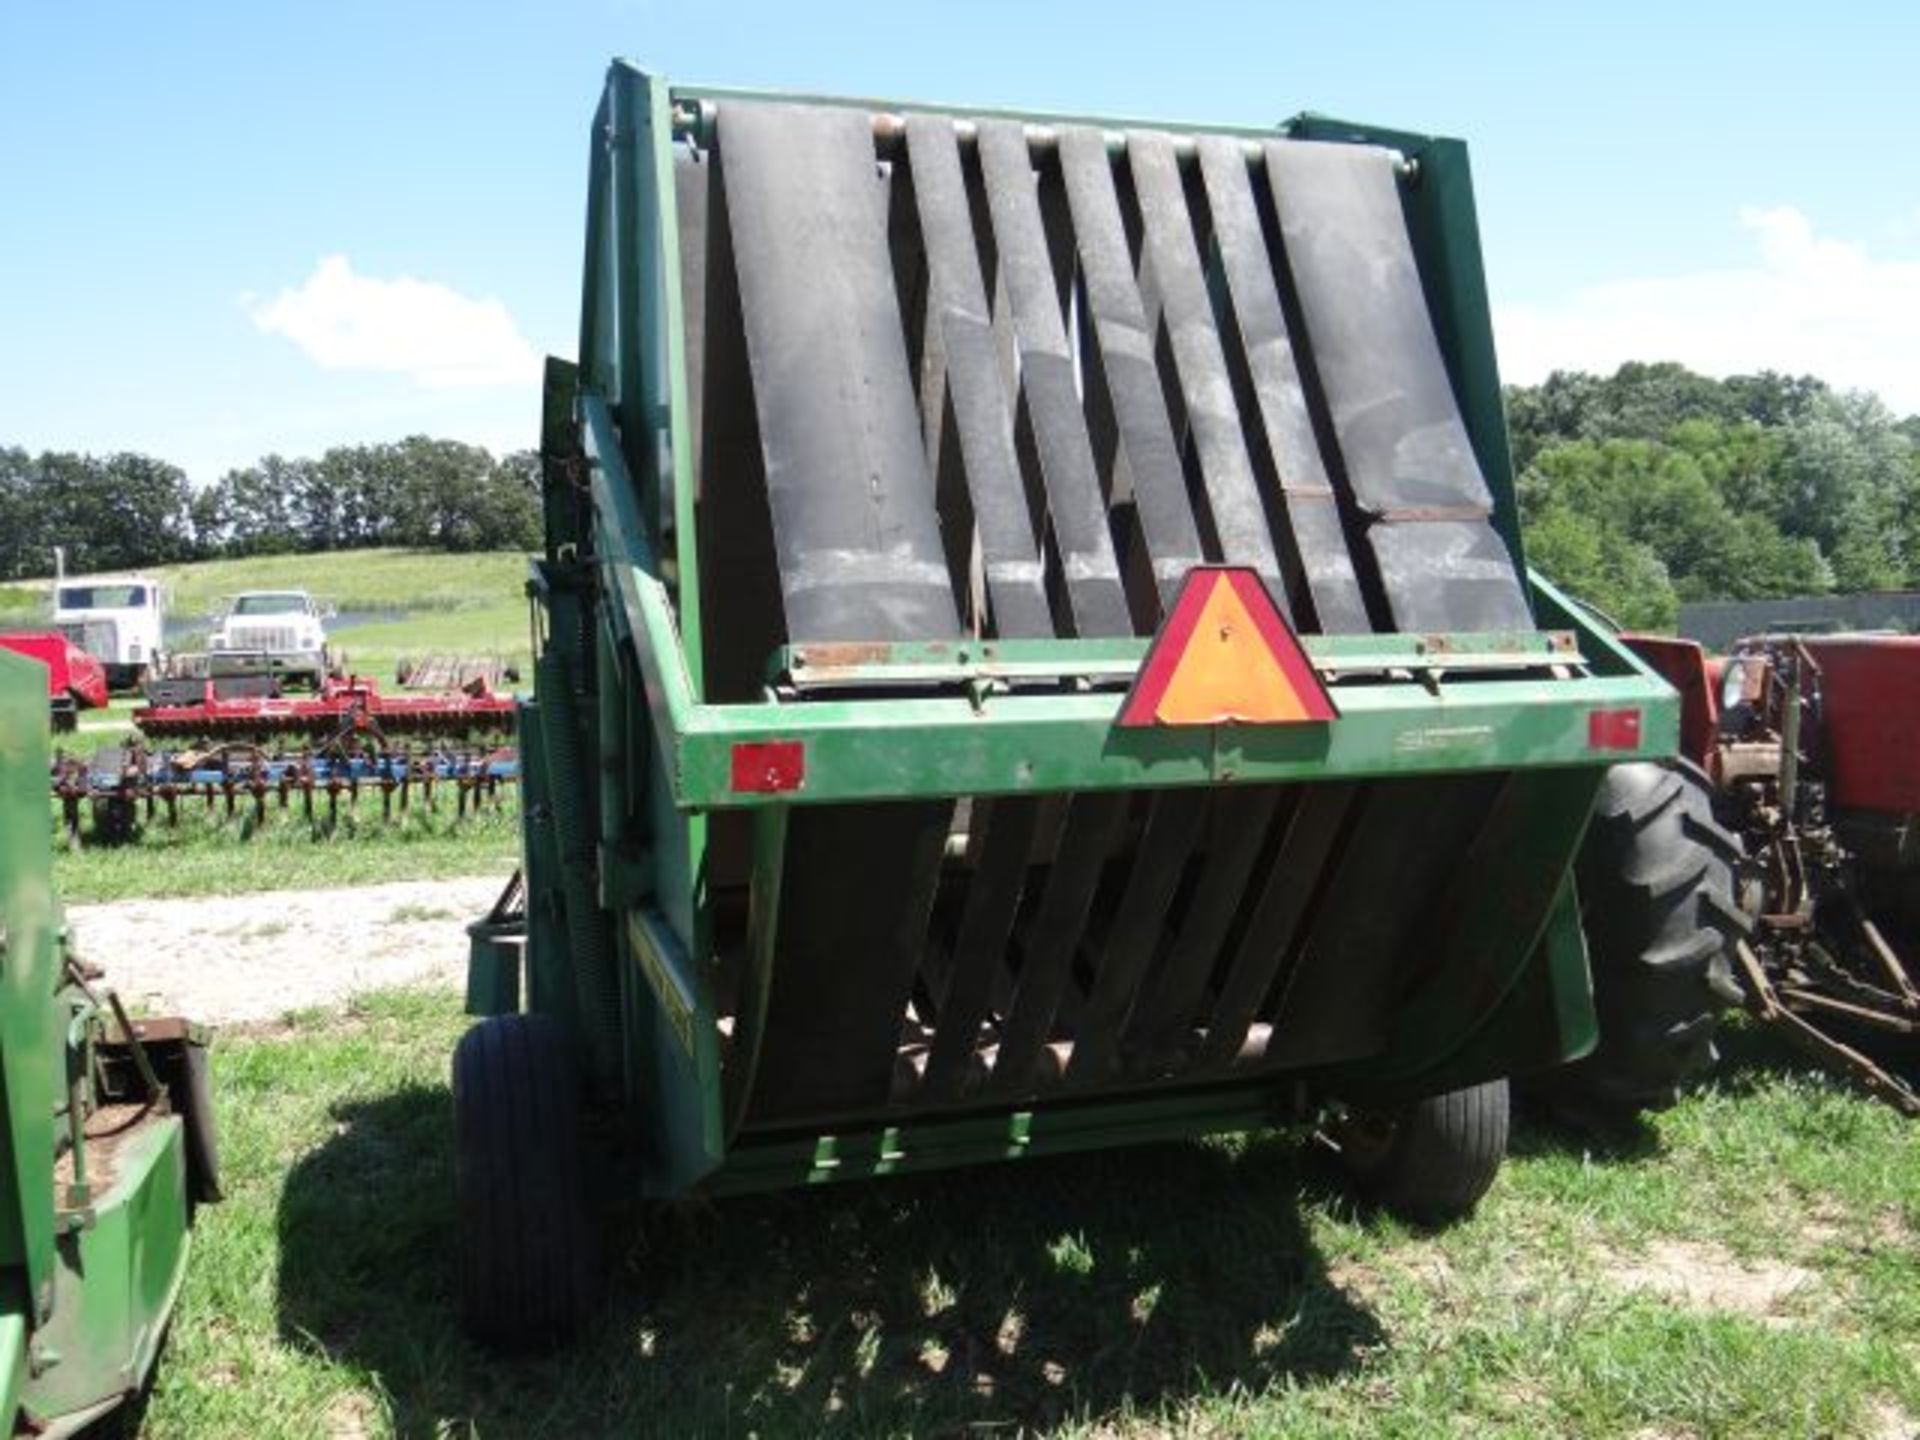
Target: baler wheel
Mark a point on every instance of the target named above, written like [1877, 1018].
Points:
[1429, 1161]
[529, 1267]
[1659, 900]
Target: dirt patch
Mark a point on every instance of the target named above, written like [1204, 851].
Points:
[1887, 1421]
[254, 958]
[1708, 1277]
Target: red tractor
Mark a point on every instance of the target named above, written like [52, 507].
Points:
[75, 680]
[1775, 866]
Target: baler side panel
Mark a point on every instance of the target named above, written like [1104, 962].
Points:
[32, 1047]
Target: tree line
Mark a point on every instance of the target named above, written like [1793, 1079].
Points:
[1638, 490]
[1654, 485]
[126, 510]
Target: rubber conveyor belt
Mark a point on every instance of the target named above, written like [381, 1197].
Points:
[1410, 465]
[858, 545]
[1262, 403]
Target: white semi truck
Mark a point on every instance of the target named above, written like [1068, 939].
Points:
[117, 619]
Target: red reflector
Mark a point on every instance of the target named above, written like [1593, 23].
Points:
[1613, 730]
[768, 767]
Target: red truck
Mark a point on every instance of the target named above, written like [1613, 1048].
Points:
[75, 680]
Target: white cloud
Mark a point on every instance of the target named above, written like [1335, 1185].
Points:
[348, 321]
[1805, 304]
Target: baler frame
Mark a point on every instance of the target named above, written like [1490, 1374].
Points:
[622, 694]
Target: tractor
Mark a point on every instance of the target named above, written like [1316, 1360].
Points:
[1773, 865]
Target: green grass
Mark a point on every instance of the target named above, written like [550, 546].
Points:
[355, 579]
[228, 857]
[1223, 1288]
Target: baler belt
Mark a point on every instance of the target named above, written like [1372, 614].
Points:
[1448, 575]
[980, 947]
[1200, 363]
[858, 543]
[1173, 827]
[1087, 839]
[1126, 345]
[856, 892]
[1317, 540]
[1164, 1016]
[1065, 454]
[1404, 447]
[1275, 931]
[960, 332]
[848, 485]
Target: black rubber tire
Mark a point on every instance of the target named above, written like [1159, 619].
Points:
[529, 1264]
[1432, 1160]
[1659, 901]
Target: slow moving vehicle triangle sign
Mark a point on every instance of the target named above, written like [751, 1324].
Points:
[1225, 655]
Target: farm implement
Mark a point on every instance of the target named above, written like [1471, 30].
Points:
[108, 1142]
[352, 705]
[1034, 656]
[1788, 839]
[231, 748]
[122, 790]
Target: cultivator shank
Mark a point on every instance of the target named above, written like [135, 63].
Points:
[122, 791]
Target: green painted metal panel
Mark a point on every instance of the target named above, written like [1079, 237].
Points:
[13, 1355]
[768, 1163]
[32, 1040]
[87, 1279]
[677, 1041]
[117, 1279]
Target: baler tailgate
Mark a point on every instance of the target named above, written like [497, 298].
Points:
[899, 453]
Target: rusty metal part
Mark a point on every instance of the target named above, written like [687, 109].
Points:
[1768, 1006]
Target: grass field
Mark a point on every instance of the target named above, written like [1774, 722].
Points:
[403, 603]
[223, 858]
[1748, 1266]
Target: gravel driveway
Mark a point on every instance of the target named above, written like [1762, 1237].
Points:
[226, 959]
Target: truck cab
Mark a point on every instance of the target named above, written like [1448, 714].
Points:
[286, 626]
[117, 619]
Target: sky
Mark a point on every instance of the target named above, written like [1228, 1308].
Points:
[234, 229]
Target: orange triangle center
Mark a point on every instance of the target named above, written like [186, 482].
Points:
[1227, 671]
[1225, 656]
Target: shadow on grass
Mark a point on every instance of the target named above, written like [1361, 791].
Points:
[1018, 1295]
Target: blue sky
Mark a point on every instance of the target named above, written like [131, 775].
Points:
[231, 229]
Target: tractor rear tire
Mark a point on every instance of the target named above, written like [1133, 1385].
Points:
[1659, 899]
[1429, 1161]
[529, 1265]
